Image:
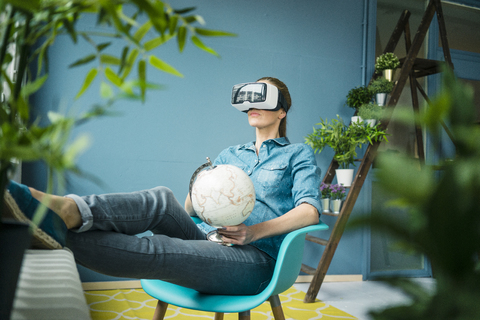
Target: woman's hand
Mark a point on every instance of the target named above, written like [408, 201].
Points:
[238, 235]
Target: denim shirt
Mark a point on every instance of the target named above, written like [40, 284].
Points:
[284, 176]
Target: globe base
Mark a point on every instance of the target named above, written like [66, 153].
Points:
[214, 236]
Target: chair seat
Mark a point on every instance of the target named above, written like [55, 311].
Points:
[286, 271]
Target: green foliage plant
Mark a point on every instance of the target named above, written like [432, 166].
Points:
[443, 210]
[343, 139]
[358, 96]
[381, 85]
[386, 61]
[371, 111]
[31, 27]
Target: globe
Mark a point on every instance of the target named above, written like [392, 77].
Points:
[223, 196]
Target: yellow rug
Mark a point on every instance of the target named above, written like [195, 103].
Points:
[136, 304]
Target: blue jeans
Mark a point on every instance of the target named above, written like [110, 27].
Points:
[177, 252]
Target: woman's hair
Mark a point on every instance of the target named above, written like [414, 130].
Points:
[282, 129]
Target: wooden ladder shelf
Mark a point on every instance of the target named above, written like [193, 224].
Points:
[413, 68]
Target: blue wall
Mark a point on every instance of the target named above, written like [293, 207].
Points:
[315, 47]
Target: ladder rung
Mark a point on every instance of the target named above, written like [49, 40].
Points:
[321, 241]
[308, 270]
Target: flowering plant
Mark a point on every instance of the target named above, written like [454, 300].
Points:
[325, 190]
[337, 192]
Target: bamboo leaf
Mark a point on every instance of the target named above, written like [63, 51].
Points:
[130, 61]
[106, 90]
[32, 87]
[142, 77]
[161, 65]
[102, 46]
[83, 61]
[196, 41]
[181, 38]
[214, 33]
[123, 59]
[173, 24]
[156, 42]
[142, 31]
[113, 77]
[88, 80]
[109, 59]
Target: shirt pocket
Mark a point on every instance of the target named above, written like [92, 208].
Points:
[272, 174]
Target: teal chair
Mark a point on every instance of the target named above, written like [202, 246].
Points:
[286, 272]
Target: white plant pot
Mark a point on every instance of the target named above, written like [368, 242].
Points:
[371, 122]
[381, 98]
[326, 204]
[344, 177]
[357, 120]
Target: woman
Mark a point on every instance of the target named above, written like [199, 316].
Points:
[286, 179]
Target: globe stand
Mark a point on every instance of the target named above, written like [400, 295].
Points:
[214, 236]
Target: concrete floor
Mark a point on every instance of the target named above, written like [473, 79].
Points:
[358, 298]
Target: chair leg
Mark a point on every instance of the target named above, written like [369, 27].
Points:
[245, 315]
[276, 307]
[218, 316]
[160, 310]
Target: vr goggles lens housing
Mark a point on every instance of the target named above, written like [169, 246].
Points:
[257, 95]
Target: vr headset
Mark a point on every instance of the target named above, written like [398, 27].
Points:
[257, 95]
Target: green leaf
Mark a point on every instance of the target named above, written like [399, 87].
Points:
[88, 80]
[196, 41]
[181, 38]
[142, 76]
[106, 90]
[130, 61]
[214, 33]
[109, 59]
[173, 24]
[103, 46]
[161, 65]
[32, 87]
[156, 42]
[113, 77]
[83, 60]
[142, 31]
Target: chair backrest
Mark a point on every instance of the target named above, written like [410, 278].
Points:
[289, 260]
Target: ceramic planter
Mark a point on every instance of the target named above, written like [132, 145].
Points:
[357, 120]
[344, 177]
[370, 122]
[326, 204]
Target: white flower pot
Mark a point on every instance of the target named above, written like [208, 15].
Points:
[357, 120]
[381, 99]
[344, 177]
[370, 122]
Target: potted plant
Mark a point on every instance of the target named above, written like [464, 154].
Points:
[356, 97]
[379, 88]
[371, 113]
[386, 64]
[344, 140]
[337, 192]
[325, 192]
[27, 30]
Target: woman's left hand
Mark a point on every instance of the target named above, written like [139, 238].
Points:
[238, 235]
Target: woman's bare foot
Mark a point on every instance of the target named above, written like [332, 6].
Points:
[66, 208]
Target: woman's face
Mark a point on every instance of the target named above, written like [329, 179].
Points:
[264, 119]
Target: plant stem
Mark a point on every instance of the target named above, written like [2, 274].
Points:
[6, 34]
[22, 65]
